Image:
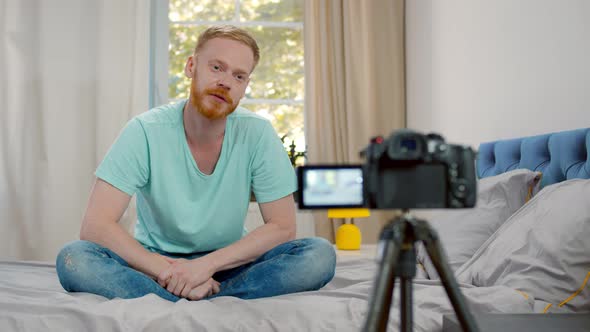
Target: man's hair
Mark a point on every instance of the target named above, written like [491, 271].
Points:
[229, 32]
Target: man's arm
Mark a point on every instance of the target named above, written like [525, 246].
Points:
[101, 226]
[279, 227]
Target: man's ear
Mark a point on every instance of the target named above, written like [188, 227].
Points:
[189, 67]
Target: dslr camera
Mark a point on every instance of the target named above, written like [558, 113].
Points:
[408, 170]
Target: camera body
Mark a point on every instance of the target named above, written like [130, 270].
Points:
[408, 170]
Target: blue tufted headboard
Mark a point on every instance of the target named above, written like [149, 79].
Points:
[559, 156]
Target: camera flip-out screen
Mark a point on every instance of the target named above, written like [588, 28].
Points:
[324, 187]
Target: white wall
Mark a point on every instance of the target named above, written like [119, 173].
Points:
[481, 70]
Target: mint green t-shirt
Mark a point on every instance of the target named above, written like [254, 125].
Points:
[180, 209]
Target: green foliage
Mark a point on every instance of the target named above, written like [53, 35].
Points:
[296, 157]
[202, 10]
[280, 73]
[286, 119]
[272, 10]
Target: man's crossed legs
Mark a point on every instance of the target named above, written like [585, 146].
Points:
[296, 266]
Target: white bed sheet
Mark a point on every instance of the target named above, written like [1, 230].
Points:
[31, 299]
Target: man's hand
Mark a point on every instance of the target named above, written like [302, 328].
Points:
[189, 279]
[206, 289]
[160, 264]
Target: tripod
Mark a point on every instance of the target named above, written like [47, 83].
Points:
[397, 258]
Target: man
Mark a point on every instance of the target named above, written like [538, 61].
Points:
[192, 166]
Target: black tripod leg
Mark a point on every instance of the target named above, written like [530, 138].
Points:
[406, 304]
[439, 260]
[380, 300]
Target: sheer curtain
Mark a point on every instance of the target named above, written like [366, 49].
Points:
[355, 85]
[72, 72]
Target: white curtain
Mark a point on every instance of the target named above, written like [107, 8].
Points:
[72, 72]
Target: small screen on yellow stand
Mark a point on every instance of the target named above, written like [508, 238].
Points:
[325, 186]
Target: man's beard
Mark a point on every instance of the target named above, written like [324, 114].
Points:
[217, 109]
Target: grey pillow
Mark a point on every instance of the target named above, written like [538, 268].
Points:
[463, 231]
[542, 250]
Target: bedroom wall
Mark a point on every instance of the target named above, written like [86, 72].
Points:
[483, 70]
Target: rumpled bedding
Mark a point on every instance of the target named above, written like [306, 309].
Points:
[32, 299]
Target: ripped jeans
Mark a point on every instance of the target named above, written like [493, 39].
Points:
[296, 266]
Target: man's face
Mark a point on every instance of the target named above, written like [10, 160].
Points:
[220, 74]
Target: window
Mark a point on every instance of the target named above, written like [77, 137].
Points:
[276, 89]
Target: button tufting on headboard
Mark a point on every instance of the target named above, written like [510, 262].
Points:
[560, 156]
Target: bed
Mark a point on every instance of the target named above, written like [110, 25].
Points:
[507, 270]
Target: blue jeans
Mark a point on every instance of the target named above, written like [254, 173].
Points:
[295, 266]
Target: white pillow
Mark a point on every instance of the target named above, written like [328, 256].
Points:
[463, 231]
[542, 250]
